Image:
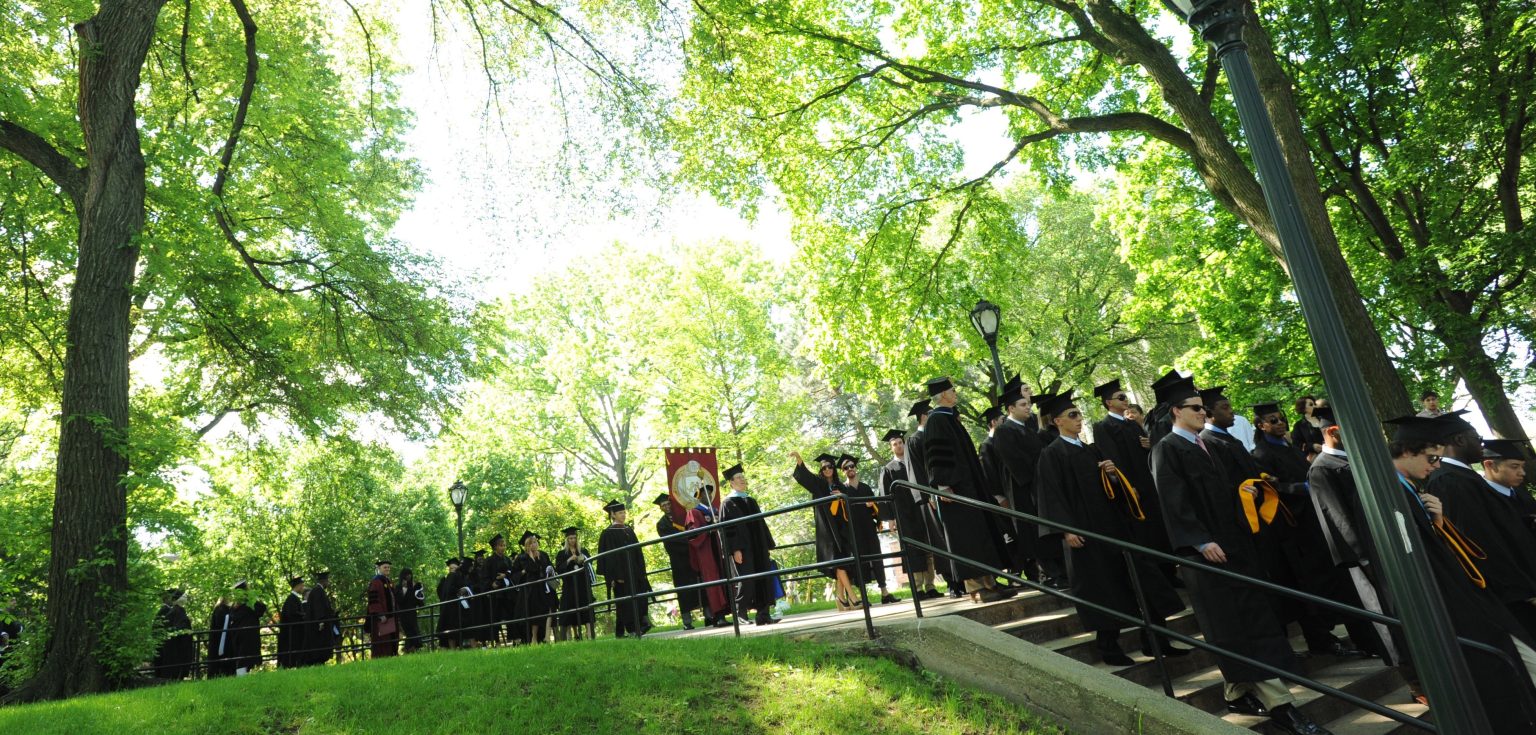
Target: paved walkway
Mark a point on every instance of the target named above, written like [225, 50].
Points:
[828, 620]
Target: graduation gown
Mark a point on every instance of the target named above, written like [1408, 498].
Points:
[325, 630]
[1338, 510]
[1493, 521]
[537, 594]
[624, 573]
[704, 555]
[410, 596]
[575, 588]
[950, 460]
[754, 541]
[910, 521]
[865, 518]
[291, 627]
[221, 644]
[496, 575]
[832, 527]
[1119, 440]
[1069, 490]
[1018, 451]
[683, 571]
[1201, 505]
[450, 613]
[245, 633]
[173, 659]
[382, 604]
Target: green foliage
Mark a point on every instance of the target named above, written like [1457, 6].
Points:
[684, 685]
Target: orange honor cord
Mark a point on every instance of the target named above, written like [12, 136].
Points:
[1260, 502]
[1465, 549]
[1132, 500]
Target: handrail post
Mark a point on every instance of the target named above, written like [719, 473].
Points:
[905, 549]
[858, 572]
[1146, 624]
[634, 587]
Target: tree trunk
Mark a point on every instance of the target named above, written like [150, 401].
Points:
[1388, 394]
[89, 567]
[1482, 378]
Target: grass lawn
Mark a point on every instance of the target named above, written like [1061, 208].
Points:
[753, 685]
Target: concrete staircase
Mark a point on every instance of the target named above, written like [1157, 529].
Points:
[1050, 622]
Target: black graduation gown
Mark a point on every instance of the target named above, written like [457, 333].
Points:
[410, 596]
[683, 572]
[1018, 450]
[450, 613]
[538, 594]
[1475, 613]
[221, 644]
[245, 629]
[909, 519]
[325, 628]
[866, 528]
[1119, 440]
[502, 602]
[1273, 537]
[575, 588]
[832, 530]
[950, 459]
[624, 572]
[754, 541]
[1304, 435]
[1493, 522]
[1069, 490]
[1200, 505]
[291, 627]
[173, 659]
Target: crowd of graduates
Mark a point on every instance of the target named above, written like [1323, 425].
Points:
[491, 598]
[1271, 502]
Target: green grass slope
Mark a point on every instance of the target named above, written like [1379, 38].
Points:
[607, 687]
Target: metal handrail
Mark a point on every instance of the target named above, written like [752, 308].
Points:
[1128, 548]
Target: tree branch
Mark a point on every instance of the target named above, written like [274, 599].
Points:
[31, 147]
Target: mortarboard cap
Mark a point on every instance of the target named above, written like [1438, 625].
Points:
[242, 584]
[1039, 399]
[569, 531]
[1058, 404]
[615, 506]
[893, 434]
[938, 385]
[992, 413]
[662, 498]
[1177, 391]
[1265, 409]
[1010, 397]
[295, 580]
[479, 553]
[322, 574]
[732, 471]
[1324, 416]
[846, 459]
[1413, 429]
[921, 408]
[1014, 383]
[381, 562]
[1108, 389]
[1210, 396]
[825, 457]
[1506, 449]
[452, 561]
[1454, 423]
[528, 535]
[498, 538]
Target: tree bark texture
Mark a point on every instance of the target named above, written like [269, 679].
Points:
[88, 567]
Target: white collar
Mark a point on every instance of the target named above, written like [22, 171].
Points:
[1016, 421]
[1212, 427]
[1456, 462]
[1504, 490]
[1114, 415]
[1070, 440]
[1187, 435]
[736, 494]
[1335, 452]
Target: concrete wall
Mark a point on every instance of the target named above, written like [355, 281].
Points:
[1082, 698]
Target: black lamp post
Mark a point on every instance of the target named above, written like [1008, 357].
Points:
[457, 493]
[1417, 599]
[986, 318]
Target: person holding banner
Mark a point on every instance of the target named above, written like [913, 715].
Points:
[747, 545]
[1076, 486]
[683, 571]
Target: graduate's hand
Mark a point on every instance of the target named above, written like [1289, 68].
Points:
[796, 457]
[737, 557]
[1075, 541]
[947, 489]
[1213, 553]
[1146, 442]
[1107, 465]
[1435, 507]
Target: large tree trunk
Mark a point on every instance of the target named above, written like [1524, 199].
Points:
[1388, 394]
[1465, 349]
[89, 565]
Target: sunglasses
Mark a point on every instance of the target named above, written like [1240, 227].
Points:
[1119, 397]
[1274, 420]
[1073, 414]
[1432, 458]
[1194, 407]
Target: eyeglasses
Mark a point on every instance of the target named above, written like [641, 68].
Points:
[1432, 458]
[1274, 420]
[1074, 414]
[1193, 407]
[1119, 397]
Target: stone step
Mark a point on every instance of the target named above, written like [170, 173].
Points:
[1361, 722]
[1021, 607]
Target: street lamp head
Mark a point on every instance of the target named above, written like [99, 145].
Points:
[1181, 8]
[1219, 22]
[985, 318]
[457, 492]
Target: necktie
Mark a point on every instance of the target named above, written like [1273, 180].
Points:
[1199, 442]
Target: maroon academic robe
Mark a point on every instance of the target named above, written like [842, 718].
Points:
[704, 557]
[381, 608]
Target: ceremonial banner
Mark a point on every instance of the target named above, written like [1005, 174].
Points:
[692, 476]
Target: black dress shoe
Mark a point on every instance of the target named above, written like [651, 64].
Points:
[957, 594]
[720, 622]
[1009, 591]
[765, 620]
[688, 624]
[1169, 652]
[887, 598]
[1292, 720]
[1247, 705]
[1116, 658]
[992, 595]
[932, 594]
